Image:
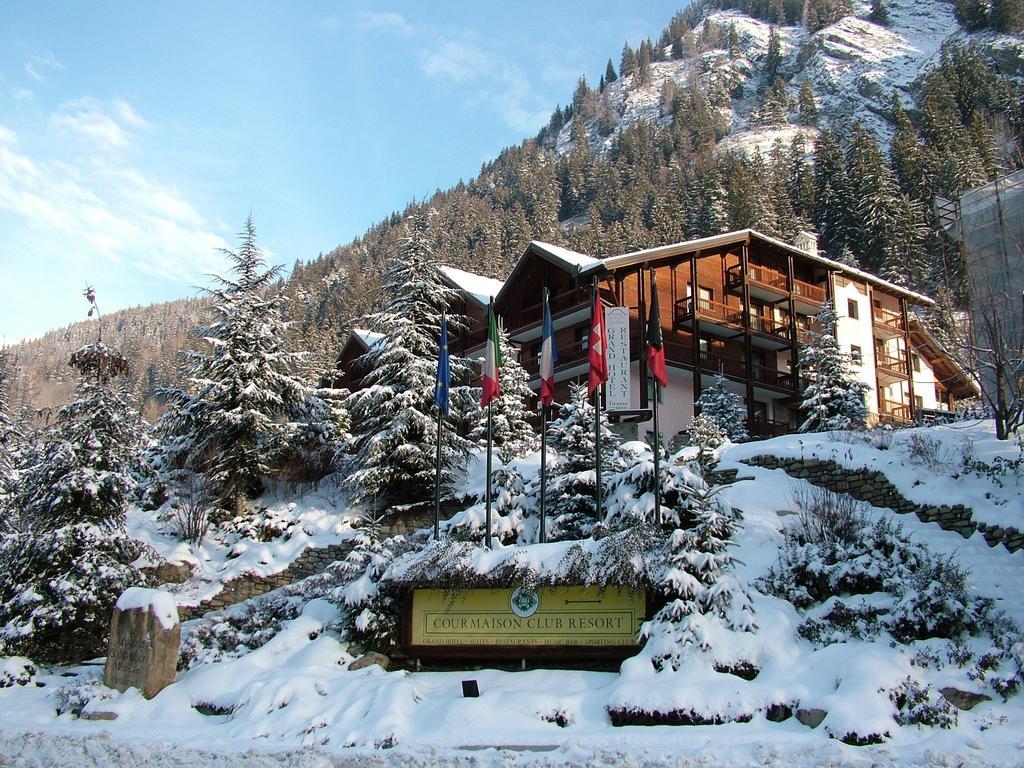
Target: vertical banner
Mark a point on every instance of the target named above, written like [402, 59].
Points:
[617, 388]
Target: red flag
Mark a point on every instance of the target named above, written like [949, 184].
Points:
[598, 347]
[655, 346]
[492, 360]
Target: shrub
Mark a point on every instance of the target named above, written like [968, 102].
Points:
[60, 588]
[921, 705]
[826, 516]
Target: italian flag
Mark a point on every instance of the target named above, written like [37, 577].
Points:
[492, 360]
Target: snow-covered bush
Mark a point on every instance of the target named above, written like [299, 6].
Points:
[725, 408]
[76, 695]
[706, 434]
[918, 704]
[827, 516]
[929, 596]
[510, 417]
[311, 446]
[60, 587]
[16, 670]
[238, 631]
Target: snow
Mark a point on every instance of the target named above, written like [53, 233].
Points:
[318, 518]
[935, 478]
[572, 258]
[369, 338]
[481, 288]
[159, 602]
[294, 700]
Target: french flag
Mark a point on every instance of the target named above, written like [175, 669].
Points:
[548, 358]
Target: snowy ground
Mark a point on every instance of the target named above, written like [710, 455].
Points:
[293, 702]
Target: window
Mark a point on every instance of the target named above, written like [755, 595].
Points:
[856, 355]
[851, 308]
[918, 402]
[915, 361]
[760, 411]
[582, 337]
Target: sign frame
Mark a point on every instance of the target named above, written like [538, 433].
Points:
[618, 389]
[407, 649]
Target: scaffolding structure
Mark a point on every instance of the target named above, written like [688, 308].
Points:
[988, 224]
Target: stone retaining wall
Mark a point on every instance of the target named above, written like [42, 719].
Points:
[874, 488]
[309, 563]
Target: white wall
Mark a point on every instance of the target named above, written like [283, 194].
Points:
[851, 332]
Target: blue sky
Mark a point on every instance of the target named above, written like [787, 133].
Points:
[136, 137]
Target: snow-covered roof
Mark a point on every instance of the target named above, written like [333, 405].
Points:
[369, 339]
[676, 249]
[477, 287]
[564, 255]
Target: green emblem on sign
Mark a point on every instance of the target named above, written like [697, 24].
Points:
[524, 602]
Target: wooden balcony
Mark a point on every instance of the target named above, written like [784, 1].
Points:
[772, 377]
[713, 312]
[887, 322]
[773, 333]
[568, 355]
[889, 366]
[770, 284]
[730, 366]
[764, 427]
[810, 293]
[562, 303]
[893, 412]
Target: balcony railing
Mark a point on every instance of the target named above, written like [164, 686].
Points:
[567, 354]
[773, 280]
[709, 310]
[809, 292]
[769, 326]
[888, 320]
[756, 275]
[772, 376]
[731, 366]
[889, 410]
[761, 426]
[892, 364]
[561, 302]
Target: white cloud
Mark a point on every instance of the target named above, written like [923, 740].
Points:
[97, 210]
[7, 136]
[37, 65]
[331, 24]
[90, 121]
[499, 83]
[23, 94]
[386, 21]
[127, 114]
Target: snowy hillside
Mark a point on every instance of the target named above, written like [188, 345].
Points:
[853, 67]
[293, 690]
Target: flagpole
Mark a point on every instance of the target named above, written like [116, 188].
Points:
[657, 457]
[597, 419]
[437, 484]
[488, 496]
[543, 470]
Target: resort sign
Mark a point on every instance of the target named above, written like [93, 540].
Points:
[617, 388]
[510, 622]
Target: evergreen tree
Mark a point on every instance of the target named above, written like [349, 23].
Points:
[510, 417]
[229, 426]
[832, 195]
[773, 58]
[709, 215]
[643, 63]
[11, 440]
[807, 108]
[628, 62]
[879, 12]
[1008, 16]
[609, 73]
[725, 408]
[702, 595]
[834, 398]
[973, 14]
[571, 486]
[393, 416]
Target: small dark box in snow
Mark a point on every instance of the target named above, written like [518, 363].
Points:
[470, 689]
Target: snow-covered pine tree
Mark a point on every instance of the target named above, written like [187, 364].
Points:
[571, 506]
[510, 426]
[229, 424]
[834, 398]
[394, 421]
[10, 444]
[725, 408]
[70, 557]
[697, 582]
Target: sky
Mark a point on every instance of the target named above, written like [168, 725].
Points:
[135, 138]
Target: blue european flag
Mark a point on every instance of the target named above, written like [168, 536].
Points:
[444, 372]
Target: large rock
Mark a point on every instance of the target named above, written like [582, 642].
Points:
[811, 717]
[145, 637]
[963, 699]
[368, 660]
